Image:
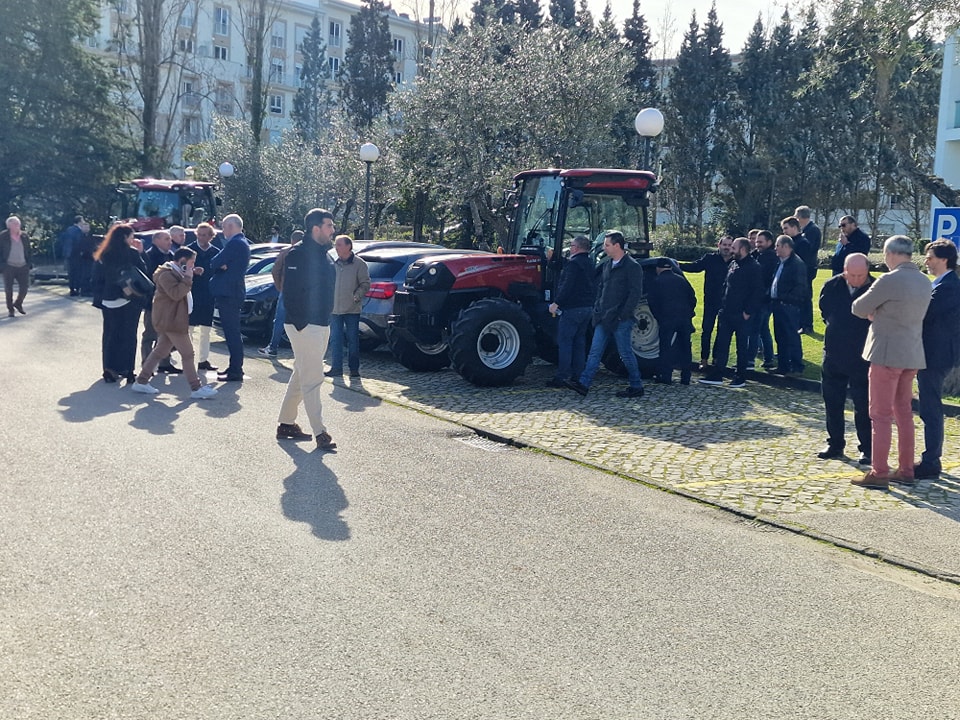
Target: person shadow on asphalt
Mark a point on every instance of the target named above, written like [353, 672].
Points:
[312, 494]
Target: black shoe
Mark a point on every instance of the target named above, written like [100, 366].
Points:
[577, 387]
[109, 376]
[205, 365]
[685, 379]
[630, 392]
[170, 369]
[230, 377]
[737, 382]
[830, 453]
[355, 375]
[555, 383]
[333, 373]
[660, 380]
[927, 471]
[864, 459]
[778, 371]
[713, 378]
[291, 431]
[325, 442]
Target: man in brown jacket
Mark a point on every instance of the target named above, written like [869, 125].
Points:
[353, 282]
[171, 319]
[896, 304]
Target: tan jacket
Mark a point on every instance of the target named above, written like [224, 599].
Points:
[279, 262]
[898, 301]
[353, 281]
[170, 312]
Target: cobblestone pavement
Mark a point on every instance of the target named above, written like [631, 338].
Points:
[753, 449]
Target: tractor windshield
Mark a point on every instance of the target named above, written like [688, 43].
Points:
[538, 211]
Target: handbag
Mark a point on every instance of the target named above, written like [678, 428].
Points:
[136, 280]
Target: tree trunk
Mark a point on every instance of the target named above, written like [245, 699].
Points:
[150, 37]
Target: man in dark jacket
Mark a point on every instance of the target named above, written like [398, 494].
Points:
[621, 286]
[788, 293]
[673, 304]
[576, 293]
[852, 240]
[844, 369]
[808, 255]
[814, 237]
[229, 291]
[309, 281]
[742, 295]
[202, 314]
[760, 338]
[714, 267]
[941, 346]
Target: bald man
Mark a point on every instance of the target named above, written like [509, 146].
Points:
[844, 370]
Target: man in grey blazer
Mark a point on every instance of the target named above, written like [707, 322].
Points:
[941, 345]
[896, 304]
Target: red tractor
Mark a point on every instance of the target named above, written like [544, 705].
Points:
[151, 205]
[488, 315]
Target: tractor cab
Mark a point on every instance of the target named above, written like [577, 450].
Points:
[150, 204]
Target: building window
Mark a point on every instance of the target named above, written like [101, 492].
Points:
[398, 78]
[276, 104]
[123, 7]
[224, 100]
[221, 21]
[191, 130]
[185, 45]
[278, 35]
[896, 202]
[276, 70]
[187, 16]
[221, 52]
[336, 30]
[334, 67]
[398, 48]
[956, 114]
[298, 75]
[299, 35]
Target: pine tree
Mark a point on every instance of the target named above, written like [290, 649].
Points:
[528, 12]
[607, 27]
[584, 21]
[563, 13]
[643, 77]
[311, 104]
[367, 76]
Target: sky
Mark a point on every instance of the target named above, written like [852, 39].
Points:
[668, 19]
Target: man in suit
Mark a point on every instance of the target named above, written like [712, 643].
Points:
[760, 337]
[844, 369]
[788, 292]
[852, 240]
[941, 345]
[228, 289]
[806, 252]
[895, 304]
[814, 237]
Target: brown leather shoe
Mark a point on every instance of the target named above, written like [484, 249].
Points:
[325, 442]
[902, 478]
[291, 431]
[873, 480]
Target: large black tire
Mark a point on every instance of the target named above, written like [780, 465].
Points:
[416, 357]
[645, 339]
[491, 342]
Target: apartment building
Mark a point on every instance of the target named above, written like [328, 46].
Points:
[210, 72]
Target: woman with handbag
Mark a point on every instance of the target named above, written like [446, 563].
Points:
[118, 291]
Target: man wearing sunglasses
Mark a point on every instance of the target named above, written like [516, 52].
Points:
[852, 240]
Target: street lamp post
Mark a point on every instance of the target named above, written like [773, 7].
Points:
[649, 124]
[369, 153]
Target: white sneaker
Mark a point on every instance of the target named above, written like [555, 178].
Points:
[144, 388]
[203, 392]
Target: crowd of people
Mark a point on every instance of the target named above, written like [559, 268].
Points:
[881, 332]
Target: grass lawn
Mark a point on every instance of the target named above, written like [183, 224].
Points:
[812, 344]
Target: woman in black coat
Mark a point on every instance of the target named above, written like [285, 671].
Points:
[116, 256]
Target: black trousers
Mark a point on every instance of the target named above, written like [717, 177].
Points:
[675, 350]
[835, 384]
[730, 325]
[930, 387]
[710, 313]
[119, 343]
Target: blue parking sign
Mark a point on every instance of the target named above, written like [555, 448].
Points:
[946, 224]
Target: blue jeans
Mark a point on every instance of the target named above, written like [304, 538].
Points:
[572, 342]
[345, 327]
[621, 336]
[278, 320]
[760, 336]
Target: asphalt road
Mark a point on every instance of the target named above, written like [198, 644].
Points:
[167, 558]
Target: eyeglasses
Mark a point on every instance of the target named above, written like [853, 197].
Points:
[843, 224]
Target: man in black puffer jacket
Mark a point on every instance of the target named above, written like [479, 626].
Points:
[742, 295]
